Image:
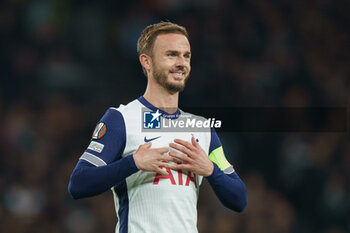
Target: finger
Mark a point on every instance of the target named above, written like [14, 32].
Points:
[180, 148]
[180, 166]
[184, 143]
[147, 145]
[172, 166]
[194, 142]
[166, 158]
[162, 150]
[161, 171]
[163, 164]
[182, 157]
[175, 166]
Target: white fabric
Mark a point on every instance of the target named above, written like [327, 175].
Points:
[162, 207]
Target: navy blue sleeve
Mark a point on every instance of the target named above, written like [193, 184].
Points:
[214, 141]
[108, 139]
[229, 188]
[88, 180]
[101, 166]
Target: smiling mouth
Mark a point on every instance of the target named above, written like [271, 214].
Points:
[178, 74]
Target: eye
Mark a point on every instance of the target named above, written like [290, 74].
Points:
[187, 55]
[171, 54]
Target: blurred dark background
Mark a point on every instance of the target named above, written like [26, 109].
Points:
[63, 63]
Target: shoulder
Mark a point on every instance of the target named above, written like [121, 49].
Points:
[116, 115]
[124, 109]
[112, 115]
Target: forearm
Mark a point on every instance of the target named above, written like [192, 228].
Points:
[88, 180]
[230, 189]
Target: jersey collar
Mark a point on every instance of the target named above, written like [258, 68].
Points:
[154, 108]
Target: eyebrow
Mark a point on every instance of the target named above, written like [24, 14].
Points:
[177, 52]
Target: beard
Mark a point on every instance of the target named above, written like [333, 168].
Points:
[161, 77]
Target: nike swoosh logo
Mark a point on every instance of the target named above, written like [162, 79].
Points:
[150, 139]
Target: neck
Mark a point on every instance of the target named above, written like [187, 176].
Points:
[161, 98]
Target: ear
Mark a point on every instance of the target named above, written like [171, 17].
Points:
[146, 62]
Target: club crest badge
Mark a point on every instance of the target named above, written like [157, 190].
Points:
[99, 131]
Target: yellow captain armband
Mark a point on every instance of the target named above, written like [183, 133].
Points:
[218, 157]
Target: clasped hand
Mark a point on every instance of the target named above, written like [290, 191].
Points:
[192, 158]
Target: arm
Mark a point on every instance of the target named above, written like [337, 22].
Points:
[88, 180]
[227, 185]
[229, 188]
[101, 167]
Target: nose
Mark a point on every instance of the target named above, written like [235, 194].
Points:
[181, 61]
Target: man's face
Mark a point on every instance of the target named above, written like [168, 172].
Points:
[171, 61]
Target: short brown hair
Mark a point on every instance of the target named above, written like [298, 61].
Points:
[149, 34]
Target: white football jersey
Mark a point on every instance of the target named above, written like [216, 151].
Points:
[147, 201]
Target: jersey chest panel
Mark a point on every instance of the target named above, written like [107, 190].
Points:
[154, 200]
